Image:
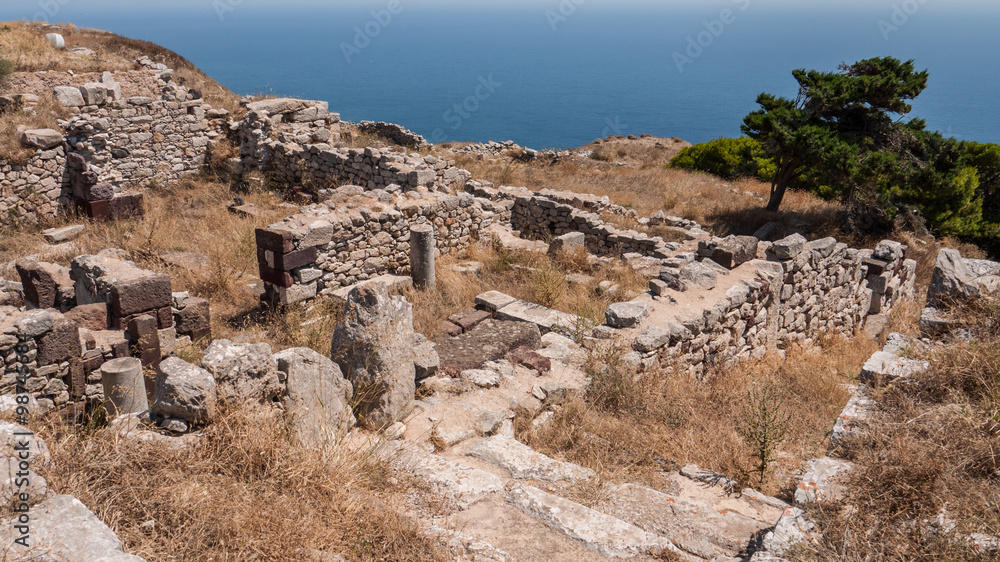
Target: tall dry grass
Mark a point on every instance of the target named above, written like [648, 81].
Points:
[632, 428]
[928, 464]
[245, 491]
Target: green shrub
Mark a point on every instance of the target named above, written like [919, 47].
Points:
[727, 158]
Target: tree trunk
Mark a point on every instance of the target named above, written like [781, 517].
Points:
[779, 184]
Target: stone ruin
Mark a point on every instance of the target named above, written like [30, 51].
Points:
[76, 319]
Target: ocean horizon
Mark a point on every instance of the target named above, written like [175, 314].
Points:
[560, 74]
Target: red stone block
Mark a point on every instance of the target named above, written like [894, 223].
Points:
[60, 344]
[97, 210]
[274, 277]
[134, 296]
[165, 317]
[195, 320]
[93, 317]
[77, 379]
[125, 206]
[278, 241]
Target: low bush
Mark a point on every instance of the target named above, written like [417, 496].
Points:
[727, 158]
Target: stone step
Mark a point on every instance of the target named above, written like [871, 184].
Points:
[887, 365]
[600, 532]
[546, 319]
[694, 527]
[461, 485]
[523, 462]
[857, 410]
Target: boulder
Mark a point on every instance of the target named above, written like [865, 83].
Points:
[41, 138]
[729, 252]
[244, 372]
[426, 360]
[490, 340]
[184, 391]
[626, 314]
[788, 247]
[317, 398]
[44, 283]
[698, 274]
[568, 243]
[373, 345]
[952, 280]
[62, 528]
[94, 93]
[68, 96]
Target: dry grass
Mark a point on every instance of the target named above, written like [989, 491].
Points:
[525, 275]
[44, 115]
[933, 449]
[632, 428]
[246, 491]
[23, 43]
[724, 207]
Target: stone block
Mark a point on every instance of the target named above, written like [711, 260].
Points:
[42, 282]
[789, 247]
[101, 191]
[626, 314]
[94, 93]
[469, 318]
[68, 96]
[41, 138]
[98, 210]
[569, 243]
[143, 294]
[64, 234]
[61, 343]
[195, 319]
[125, 206]
[276, 240]
[288, 261]
[275, 277]
[145, 339]
[92, 317]
[493, 300]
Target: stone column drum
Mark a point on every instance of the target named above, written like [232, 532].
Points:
[422, 256]
[124, 386]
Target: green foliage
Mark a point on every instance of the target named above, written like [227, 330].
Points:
[727, 158]
[986, 159]
[763, 423]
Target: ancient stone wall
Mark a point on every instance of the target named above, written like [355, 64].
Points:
[395, 133]
[797, 294]
[122, 144]
[275, 142]
[357, 236]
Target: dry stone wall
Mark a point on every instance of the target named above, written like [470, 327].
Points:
[359, 235]
[802, 290]
[120, 144]
[275, 141]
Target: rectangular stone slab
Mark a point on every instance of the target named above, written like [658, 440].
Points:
[143, 294]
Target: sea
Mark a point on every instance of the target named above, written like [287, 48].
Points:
[561, 73]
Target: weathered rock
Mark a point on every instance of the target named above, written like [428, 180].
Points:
[481, 377]
[729, 252]
[184, 391]
[69, 96]
[488, 341]
[889, 251]
[568, 243]
[952, 280]
[789, 247]
[41, 138]
[824, 480]
[698, 274]
[599, 532]
[62, 343]
[523, 462]
[494, 300]
[242, 371]
[545, 318]
[62, 528]
[43, 283]
[94, 93]
[652, 338]
[317, 398]
[34, 323]
[887, 365]
[469, 319]
[426, 360]
[373, 345]
[93, 317]
[64, 234]
[626, 314]
[459, 484]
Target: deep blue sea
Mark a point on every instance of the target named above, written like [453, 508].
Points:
[560, 73]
